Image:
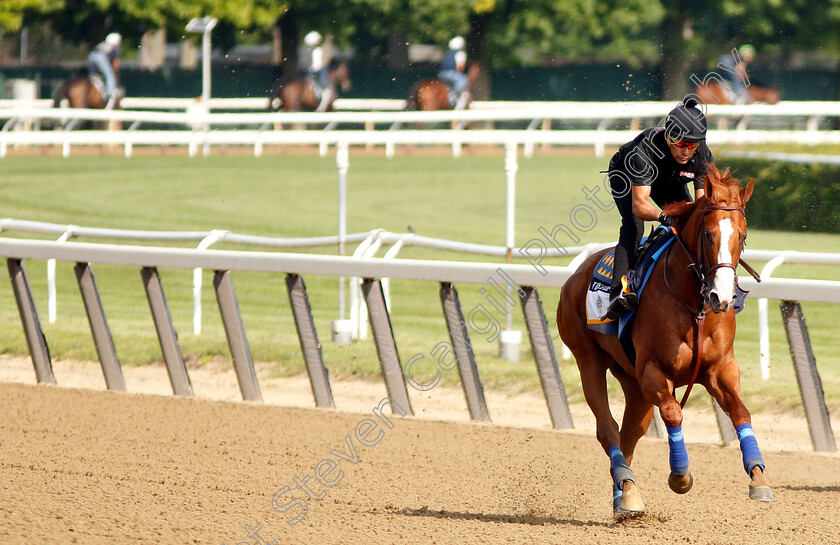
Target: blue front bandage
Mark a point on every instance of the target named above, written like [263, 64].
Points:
[749, 448]
[678, 457]
[621, 470]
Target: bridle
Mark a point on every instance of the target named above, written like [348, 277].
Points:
[703, 274]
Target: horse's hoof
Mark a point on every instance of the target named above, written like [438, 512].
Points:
[681, 483]
[761, 493]
[631, 504]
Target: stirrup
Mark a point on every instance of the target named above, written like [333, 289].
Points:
[625, 301]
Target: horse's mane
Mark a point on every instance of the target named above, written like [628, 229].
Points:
[721, 189]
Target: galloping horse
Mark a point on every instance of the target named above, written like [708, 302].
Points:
[682, 332]
[296, 93]
[84, 91]
[714, 93]
[433, 94]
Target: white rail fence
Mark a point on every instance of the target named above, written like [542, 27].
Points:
[203, 129]
[371, 242]
[397, 375]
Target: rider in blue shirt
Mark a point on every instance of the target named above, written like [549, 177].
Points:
[105, 60]
[453, 65]
[734, 70]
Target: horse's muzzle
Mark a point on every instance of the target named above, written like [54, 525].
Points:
[719, 306]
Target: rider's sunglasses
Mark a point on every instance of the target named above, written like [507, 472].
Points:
[683, 144]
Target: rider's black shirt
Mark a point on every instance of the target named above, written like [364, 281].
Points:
[647, 160]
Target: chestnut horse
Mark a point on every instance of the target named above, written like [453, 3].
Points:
[294, 94]
[433, 94]
[84, 91]
[682, 332]
[714, 93]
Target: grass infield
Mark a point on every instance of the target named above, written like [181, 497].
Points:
[294, 195]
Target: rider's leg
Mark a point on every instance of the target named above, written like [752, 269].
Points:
[629, 236]
[100, 62]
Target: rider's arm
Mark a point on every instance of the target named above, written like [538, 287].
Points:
[642, 208]
[698, 194]
[460, 61]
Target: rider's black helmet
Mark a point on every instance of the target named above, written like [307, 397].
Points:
[686, 122]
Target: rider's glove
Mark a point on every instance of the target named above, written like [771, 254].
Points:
[667, 221]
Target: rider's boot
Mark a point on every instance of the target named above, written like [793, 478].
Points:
[462, 101]
[326, 98]
[623, 301]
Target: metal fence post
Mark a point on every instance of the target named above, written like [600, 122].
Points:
[310, 346]
[99, 328]
[460, 337]
[808, 378]
[38, 348]
[386, 346]
[237, 341]
[541, 344]
[178, 376]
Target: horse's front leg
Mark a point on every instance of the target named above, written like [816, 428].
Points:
[725, 386]
[658, 389]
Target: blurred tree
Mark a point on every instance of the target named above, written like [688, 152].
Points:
[697, 34]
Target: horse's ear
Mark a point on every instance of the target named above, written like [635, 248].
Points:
[747, 192]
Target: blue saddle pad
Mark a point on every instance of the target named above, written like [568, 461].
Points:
[638, 278]
[603, 274]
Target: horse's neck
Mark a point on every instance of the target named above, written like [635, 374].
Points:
[680, 280]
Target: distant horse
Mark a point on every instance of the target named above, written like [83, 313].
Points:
[433, 94]
[714, 93]
[297, 93]
[84, 91]
[682, 332]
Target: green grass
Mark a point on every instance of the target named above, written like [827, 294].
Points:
[295, 196]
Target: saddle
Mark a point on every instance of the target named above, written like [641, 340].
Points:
[99, 83]
[597, 297]
[456, 100]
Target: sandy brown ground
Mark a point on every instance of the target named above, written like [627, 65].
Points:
[81, 465]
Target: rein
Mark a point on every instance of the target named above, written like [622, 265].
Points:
[702, 278]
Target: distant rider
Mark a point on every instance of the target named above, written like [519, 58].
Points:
[733, 68]
[452, 68]
[105, 60]
[656, 165]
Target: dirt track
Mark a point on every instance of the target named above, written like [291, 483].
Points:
[83, 466]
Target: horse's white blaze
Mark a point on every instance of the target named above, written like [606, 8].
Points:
[724, 285]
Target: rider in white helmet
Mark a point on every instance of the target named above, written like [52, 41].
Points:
[453, 65]
[316, 68]
[105, 60]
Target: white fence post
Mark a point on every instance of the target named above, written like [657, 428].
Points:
[52, 298]
[763, 325]
[209, 240]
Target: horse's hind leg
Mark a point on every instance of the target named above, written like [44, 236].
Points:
[638, 412]
[725, 388]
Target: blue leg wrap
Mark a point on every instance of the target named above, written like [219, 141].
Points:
[617, 493]
[749, 448]
[618, 463]
[678, 456]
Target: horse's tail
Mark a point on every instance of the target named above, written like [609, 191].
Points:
[60, 94]
[275, 97]
[413, 101]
